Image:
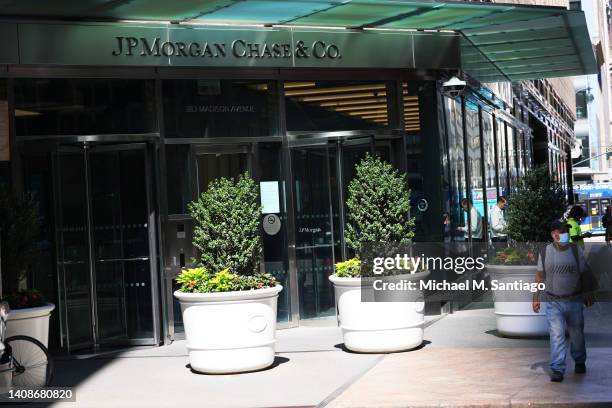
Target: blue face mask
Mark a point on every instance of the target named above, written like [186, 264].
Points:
[564, 238]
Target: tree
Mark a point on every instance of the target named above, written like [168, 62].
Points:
[537, 201]
[226, 229]
[378, 206]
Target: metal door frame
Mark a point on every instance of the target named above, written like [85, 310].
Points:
[85, 149]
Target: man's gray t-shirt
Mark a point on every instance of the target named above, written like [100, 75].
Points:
[561, 273]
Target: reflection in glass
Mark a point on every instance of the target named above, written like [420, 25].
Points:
[275, 246]
[475, 171]
[200, 108]
[314, 231]
[211, 166]
[490, 160]
[178, 178]
[73, 258]
[121, 244]
[454, 125]
[502, 157]
[336, 105]
[84, 106]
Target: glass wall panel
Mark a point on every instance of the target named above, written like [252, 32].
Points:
[502, 157]
[490, 160]
[528, 151]
[5, 154]
[454, 126]
[178, 178]
[476, 181]
[512, 157]
[84, 106]
[200, 108]
[273, 203]
[520, 154]
[337, 105]
[314, 229]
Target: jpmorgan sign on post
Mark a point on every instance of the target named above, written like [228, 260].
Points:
[122, 44]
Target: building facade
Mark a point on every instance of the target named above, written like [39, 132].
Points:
[115, 127]
[593, 132]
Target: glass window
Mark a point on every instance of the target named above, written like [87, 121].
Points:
[502, 155]
[520, 154]
[475, 169]
[582, 111]
[454, 125]
[334, 105]
[178, 173]
[275, 241]
[488, 141]
[199, 108]
[512, 156]
[84, 106]
[5, 153]
[528, 151]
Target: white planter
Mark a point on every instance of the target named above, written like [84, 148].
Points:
[513, 310]
[6, 372]
[32, 321]
[230, 332]
[378, 327]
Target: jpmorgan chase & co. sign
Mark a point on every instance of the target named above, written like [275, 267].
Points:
[238, 48]
[122, 44]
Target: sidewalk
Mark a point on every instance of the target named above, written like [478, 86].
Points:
[463, 363]
[468, 365]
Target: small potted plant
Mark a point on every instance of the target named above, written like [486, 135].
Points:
[535, 203]
[19, 228]
[228, 305]
[378, 218]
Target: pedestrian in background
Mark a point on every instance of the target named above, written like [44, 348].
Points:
[575, 216]
[606, 222]
[475, 221]
[497, 222]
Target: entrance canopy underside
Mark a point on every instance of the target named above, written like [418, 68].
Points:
[500, 41]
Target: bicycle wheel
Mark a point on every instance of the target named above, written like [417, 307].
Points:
[33, 367]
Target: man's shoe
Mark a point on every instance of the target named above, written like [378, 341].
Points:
[580, 369]
[556, 376]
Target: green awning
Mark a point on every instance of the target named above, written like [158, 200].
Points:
[500, 41]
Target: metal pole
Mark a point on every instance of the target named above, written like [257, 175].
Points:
[594, 157]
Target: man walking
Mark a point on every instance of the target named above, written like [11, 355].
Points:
[560, 266]
[498, 221]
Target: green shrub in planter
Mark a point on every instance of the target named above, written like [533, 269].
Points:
[378, 207]
[226, 233]
[537, 201]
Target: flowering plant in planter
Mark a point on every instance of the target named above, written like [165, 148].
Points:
[515, 256]
[25, 299]
[228, 304]
[227, 235]
[199, 280]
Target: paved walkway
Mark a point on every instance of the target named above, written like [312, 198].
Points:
[468, 365]
[463, 362]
